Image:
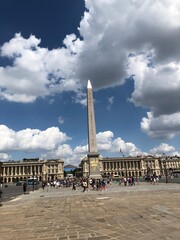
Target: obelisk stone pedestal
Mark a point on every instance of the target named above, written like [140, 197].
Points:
[94, 167]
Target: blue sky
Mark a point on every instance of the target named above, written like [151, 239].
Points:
[130, 51]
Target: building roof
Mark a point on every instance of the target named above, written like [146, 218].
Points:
[70, 166]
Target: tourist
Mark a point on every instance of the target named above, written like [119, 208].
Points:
[157, 180]
[1, 193]
[133, 182]
[48, 186]
[93, 184]
[125, 181]
[122, 181]
[98, 184]
[129, 181]
[137, 180]
[154, 180]
[24, 187]
[90, 181]
[84, 185]
[43, 185]
[74, 186]
[103, 184]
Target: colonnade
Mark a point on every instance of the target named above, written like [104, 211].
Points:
[13, 173]
[21, 170]
[116, 165]
[121, 168]
[41, 169]
[172, 164]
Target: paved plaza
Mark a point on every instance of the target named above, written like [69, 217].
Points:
[143, 211]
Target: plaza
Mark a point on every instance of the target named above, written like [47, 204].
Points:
[143, 211]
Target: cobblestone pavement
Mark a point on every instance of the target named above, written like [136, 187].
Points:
[144, 212]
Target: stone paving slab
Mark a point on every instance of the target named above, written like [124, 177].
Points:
[142, 212]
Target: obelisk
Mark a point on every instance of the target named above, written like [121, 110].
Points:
[93, 155]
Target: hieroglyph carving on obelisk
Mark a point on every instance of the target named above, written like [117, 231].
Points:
[93, 155]
[92, 145]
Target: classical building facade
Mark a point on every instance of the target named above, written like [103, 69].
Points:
[43, 170]
[139, 166]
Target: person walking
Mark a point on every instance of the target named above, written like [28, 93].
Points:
[74, 186]
[84, 184]
[24, 187]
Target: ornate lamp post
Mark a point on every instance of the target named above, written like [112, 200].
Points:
[33, 180]
[164, 162]
[26, 169]
[165, 170]
[148, 170]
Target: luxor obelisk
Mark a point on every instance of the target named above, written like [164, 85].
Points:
[93, 155]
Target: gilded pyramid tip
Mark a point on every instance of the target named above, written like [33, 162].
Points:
[89, 84]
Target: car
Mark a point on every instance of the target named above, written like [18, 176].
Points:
[147, 178]
[20, 183]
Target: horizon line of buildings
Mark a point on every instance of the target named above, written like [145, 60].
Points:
[53, 169]
[138, 166]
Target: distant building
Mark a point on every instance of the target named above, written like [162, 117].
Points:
[43, 170]
[139, 166]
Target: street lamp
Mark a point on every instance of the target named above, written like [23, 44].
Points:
[26, 175]
[33, 180]
[165, 170]
[148, 170]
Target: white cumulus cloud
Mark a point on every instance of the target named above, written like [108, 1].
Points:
[163, 126]
[4, 157]
[35, 71]
[30, 140]
[163, 148]
[119, 39]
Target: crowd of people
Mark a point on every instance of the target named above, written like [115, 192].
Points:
[132, 181]
[85, 183]
[94, 184]
[128, 181]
